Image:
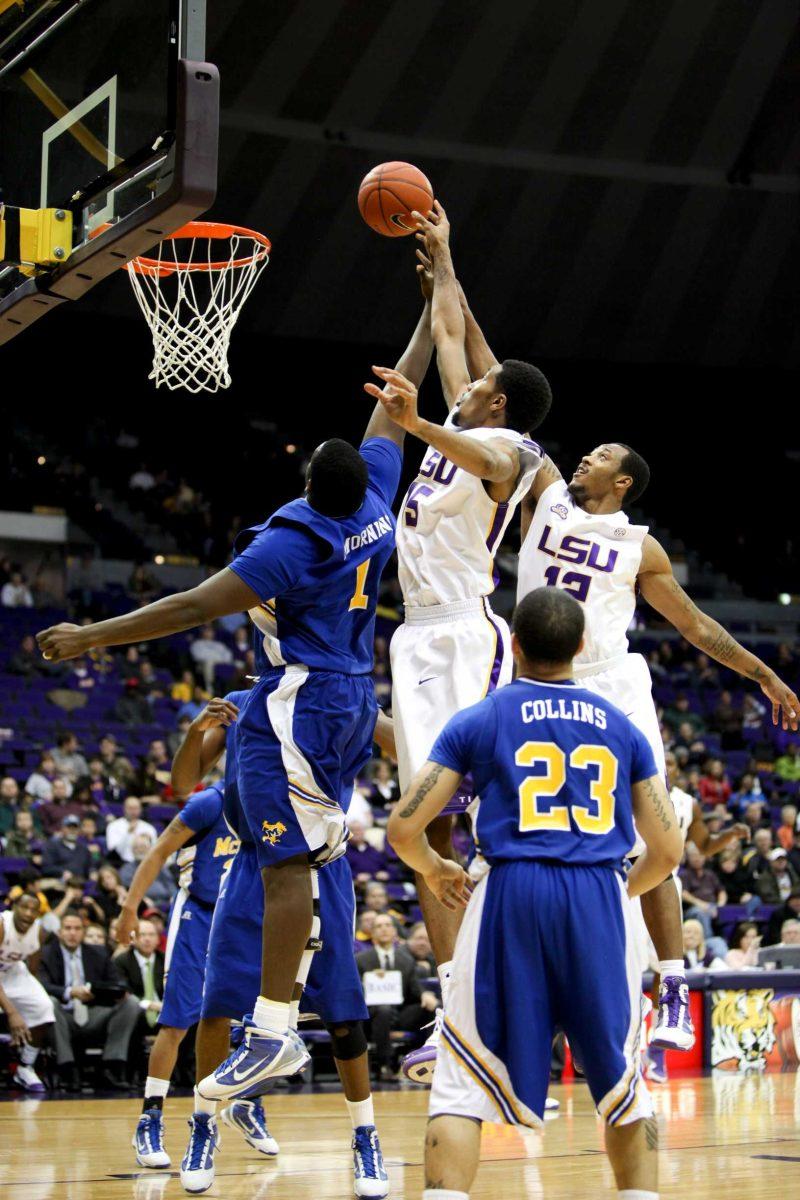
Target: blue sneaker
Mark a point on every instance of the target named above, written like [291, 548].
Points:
[148, 1140]
[674, 1029]
[197, 1168]
[262, 1055]
[249, 1118]
[370, 1178]
[655, 1066]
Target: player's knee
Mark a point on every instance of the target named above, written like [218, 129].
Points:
[440, 836]
[348, 1040]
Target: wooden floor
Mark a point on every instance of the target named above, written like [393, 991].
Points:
[730, 1137]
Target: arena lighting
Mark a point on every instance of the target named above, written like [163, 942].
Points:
[290, 449]
[159, 560]
[784, 598]
[41, 460]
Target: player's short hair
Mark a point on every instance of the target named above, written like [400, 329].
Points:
[337, 479]
[634, 465]
[27, 894]
[549, 625]
[527, 393]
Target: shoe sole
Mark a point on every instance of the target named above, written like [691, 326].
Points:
[672, 1040]
[372, 1195]
[420, 1072]
[229, 1121]
[195, 1191]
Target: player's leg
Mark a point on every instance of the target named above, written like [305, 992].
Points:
[187, 946]
[452, 1154]
[633, 1153]
[37, 1010]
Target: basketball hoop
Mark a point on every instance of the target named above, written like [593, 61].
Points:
[191, 300]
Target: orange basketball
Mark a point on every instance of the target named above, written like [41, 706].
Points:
[389, 194]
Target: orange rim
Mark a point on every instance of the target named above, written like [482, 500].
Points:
[214, 231]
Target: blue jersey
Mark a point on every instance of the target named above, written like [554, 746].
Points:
[206, 855]
[318, 578]
[553, 765]
[231, 804]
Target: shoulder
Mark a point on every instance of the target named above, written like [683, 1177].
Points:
[654, 557]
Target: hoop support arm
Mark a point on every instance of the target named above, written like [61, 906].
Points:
[34, 237]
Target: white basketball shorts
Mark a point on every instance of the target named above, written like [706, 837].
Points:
[28, 996]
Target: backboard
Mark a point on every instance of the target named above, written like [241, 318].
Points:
[108, 113]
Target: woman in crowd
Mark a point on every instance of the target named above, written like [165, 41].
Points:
[696, 954]
[745, 942]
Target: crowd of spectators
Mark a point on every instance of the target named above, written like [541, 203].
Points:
[85, 757]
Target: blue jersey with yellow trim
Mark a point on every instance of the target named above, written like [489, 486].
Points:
[231, 804]
[202, 860]
[317, 578]
[553, 765]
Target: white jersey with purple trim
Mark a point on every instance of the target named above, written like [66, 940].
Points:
[16, 947]
[593, 556]
[449, 527]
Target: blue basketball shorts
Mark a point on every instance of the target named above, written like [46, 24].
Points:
[542, 945]
[233, 971]
[188, 932]
[301, 740]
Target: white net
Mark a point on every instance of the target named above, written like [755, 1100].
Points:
[191, 293]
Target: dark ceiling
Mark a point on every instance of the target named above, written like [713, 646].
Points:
[622, 175]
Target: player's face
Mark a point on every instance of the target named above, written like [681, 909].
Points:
[26, 910]
[596, 473]
[474, 405]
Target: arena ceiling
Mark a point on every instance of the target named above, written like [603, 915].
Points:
[622, 175]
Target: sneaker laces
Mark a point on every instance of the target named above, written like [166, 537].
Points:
[202, 1139]
[436, 1024]
[673, 1000]
[367, 1151]
[150, 1129]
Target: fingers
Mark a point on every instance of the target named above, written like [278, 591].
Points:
[391, 375]
[424, 260]
[378, 393]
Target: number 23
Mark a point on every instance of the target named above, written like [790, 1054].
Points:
[534, 787]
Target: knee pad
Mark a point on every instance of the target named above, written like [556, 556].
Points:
[348, 1039]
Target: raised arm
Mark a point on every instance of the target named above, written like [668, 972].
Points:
[413, 363]
[493, 461]
[219, 596]
[447, 320]
[661, 589]
[426, 796]
[171, 840]
[202, 746]
[655, 821]
[548, 473]
[479, 354]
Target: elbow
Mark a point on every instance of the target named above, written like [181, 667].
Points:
[396, 836]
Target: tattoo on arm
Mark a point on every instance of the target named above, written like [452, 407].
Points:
[651, 1133]
[422, 791]
[658, 804]
[720, 645]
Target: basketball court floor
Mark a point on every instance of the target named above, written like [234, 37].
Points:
[726, 1137]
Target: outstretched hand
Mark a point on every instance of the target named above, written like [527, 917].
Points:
[434, 230]
[63, 641]
[785, 705]
[398, 397]
[425, 275]
[216, 712]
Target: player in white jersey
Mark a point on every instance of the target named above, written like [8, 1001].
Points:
[693, 829]
[27, 1006]
[452, 650]
[576, 536]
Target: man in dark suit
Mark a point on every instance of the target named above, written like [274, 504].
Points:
[91, 1004]
[142, 968]
[390, 969]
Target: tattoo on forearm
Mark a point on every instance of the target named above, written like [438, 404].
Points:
[658, 804]
[651, 1133]
[720, 645]
[422, 791]
[686, 603]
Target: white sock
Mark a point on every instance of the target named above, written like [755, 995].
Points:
[637, 1194]
[294, 1014]
[361, 1112]
[673, 967]
[28, 1055]
[443, 972]
[446, 1194]
[272, 1015]
[201, 1105]
[155, 1087]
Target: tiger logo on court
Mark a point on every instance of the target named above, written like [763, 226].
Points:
[272, 832]
[742, 1029]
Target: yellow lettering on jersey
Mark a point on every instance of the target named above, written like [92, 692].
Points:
[535, 786]
[360, 598]
[226, 845]
[601, 790]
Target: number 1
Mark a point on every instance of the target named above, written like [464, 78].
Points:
[360, 598]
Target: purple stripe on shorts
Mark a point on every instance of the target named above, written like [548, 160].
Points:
[499, 653]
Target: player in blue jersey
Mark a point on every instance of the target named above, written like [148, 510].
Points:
[307, 727]
[561, 774]
[332, 985]
[205, 849]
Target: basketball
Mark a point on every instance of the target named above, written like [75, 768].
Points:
[390, 193]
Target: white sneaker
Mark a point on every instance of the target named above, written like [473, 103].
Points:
[551, 1104]
[197, 1168]
[248, 1117]
[26, 1078]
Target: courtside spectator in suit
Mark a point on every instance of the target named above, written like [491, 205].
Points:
[142, 968]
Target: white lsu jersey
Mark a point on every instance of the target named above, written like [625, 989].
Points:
[449, 527]
[593, 556]
[16, 947]
[683, 804]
